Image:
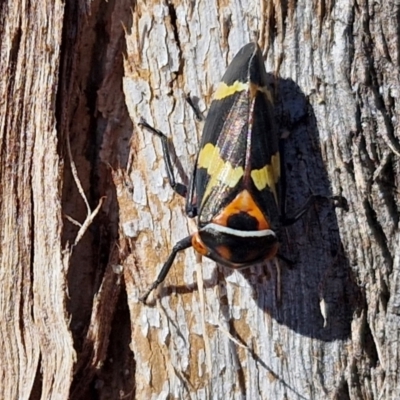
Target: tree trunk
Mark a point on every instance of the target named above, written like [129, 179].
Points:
[36, 344]
[334, 68]
[89, 218]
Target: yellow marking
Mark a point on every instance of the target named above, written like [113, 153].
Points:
[263, 89]
[218, 169]
[268, 175]
[223, 90]
[268, 93]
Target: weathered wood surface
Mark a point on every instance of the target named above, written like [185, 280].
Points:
[334, 67]
[36, 344]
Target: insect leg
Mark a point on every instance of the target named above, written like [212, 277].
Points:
[337, 201]
[199, 116]
[191, 206]
[177, 187]
[286, 220]
[181, 245]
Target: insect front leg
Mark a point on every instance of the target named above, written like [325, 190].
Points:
[181, 245]
[177, 187]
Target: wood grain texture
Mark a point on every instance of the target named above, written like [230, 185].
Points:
[36, 344]
[334, 70]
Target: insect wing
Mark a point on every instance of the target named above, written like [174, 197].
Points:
[239, 147]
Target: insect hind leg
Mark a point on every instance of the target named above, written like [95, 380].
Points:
[337, 201]
[181, 245]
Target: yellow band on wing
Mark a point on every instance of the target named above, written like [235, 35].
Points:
[268, 175]
[220, 171]
[223, 90]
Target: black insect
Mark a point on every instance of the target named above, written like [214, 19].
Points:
[235, 188]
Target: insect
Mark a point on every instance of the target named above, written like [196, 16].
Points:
[235, 188]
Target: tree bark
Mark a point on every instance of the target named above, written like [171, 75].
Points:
[89, 218]
[334, 70]
[60, 273]
[36, 344]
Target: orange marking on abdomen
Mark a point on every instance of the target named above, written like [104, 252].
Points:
[243, 202]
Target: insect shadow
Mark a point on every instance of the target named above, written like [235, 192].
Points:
[316, 294]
